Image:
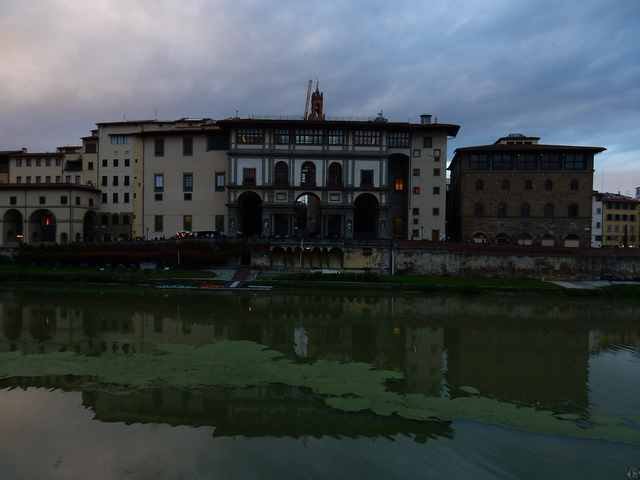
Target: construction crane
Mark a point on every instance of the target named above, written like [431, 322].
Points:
[306, 105]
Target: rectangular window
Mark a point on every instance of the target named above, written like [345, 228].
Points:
[158, 182]
[67, 179]
[335, 137]
[250, 136]
[281, 136]
[248, 176]
[77, 179]
[28, 178]
[105, 163]
[104, 180]
[398, 139]
[38, 179]
[416, 221]
[219, 182]
[158, 147]
[116, 163]
[58, 178]
[89, 165]
[28, 162]
[188, 196]
[416, 172]
[126, 197]
[187, 182]
[115, 219]
[220, 223]
[436, 211]
[187, 223]
[119, 140]
[416, 211]
[427, 142]
[366, 137]
[38, 162]
[47, 179]
[18, 162]
[127, 162]
[126, 180]
[42, 200]
[91, 148]
[63, 200]
[550, 161]
[91, 202]
[527, 161]
[416, 190]
[575, 161]
[415, 233]
[436, 172]
[217, 141]
[13, 200]
[366, 178]
[158, 223]
[479, 162]
[187, 146]
[115, 180]
[114, 198]
[77, 200]
[104, 198]
[18, 179]
[436, 190]
[503, 161]
[158, 197]
[309, 136]
[47, 162]
[125, 219]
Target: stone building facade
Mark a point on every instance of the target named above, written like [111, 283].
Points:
[518, 191]
[620, 220]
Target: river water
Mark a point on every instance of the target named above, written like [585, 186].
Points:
[508, 386]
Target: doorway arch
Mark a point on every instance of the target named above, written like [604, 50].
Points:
[365, 217]
[13, 227]
[42, 226]
[250, 206]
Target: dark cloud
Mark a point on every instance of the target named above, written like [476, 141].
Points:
[567, 71]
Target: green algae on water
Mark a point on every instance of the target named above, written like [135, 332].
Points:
[349, 387]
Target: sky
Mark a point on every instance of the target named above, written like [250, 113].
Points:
[567, 71]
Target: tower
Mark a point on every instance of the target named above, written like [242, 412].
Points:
[317, 101]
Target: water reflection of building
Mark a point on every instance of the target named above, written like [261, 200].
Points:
[521, 363]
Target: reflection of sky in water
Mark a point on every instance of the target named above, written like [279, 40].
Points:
[50, 435]
[614, 382]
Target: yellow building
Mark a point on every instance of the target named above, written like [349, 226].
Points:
[620, 221]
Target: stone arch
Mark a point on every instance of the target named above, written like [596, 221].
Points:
[250, 210]
[366, 211]
[281, 174]
[12, 226]
[308, 174]
[480, 238]
[334, 178]
[43, 226]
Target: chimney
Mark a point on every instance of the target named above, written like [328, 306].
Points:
[425, 119]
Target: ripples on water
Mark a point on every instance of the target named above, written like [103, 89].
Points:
[575, 357]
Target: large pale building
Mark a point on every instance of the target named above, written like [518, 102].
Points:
[275, 179]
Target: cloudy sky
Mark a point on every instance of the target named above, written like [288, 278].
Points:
[568, 71]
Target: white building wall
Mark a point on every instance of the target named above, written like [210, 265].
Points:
[596, 223]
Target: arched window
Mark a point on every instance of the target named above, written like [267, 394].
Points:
[548, 185]
[478, 209]
[506, 184]
[574, 185]
[308, 175]
[502, 210]
[335, 175]
[479, 185]
[525, 210]
[282, 174]
[548, 210]
[573, 210]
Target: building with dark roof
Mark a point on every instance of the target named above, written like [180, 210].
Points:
[619, 219]
[518, 191]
